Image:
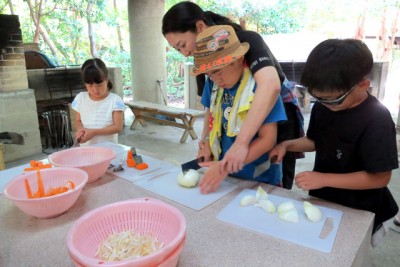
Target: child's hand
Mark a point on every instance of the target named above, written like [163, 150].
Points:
[279, 151]
[309, 180]
[233, 160]
[204, 151]
[212, 177]
[79, 134]
[88, 134]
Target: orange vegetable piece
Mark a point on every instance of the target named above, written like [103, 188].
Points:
[142, 166]
[129, 155]
[28, 189]
[131, 162]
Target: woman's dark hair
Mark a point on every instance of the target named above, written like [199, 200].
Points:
[183, 16]
[337, 65]
[95, 71]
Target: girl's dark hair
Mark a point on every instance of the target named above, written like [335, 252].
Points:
[183, 16]
[337, 65]
[95, 71]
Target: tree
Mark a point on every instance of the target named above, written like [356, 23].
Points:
[36, 13]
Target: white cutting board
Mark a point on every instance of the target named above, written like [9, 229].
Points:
[305, 232]
[129, 173]
[166, 185]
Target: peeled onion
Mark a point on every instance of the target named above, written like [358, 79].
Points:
[288, 212]
[267, 205]
[261, 194]
[190, 179]
[285, 206]
[290, 216]
[313, 213]
[248, 200]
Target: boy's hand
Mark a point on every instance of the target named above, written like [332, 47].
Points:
[204, 151]
[279, 151]
[233, 160]
[309, 180]
[212, 177]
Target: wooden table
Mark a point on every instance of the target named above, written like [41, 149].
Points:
[27, 241]
[166, 115]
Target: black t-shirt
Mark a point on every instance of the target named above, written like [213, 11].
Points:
[258, 56]
[362, 138]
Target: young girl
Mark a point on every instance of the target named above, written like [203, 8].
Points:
[99, 113]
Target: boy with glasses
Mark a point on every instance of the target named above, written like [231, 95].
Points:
[352, 133]
[227, 96]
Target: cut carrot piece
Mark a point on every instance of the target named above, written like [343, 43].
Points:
[131, 162]
[70, 184]
[40, 184]
[142, 166]
[28, 189]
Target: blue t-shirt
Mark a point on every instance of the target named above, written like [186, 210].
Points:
[273, 174]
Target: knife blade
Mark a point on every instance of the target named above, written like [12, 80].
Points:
[193, 164]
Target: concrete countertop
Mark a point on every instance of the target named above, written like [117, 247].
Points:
[27, 241]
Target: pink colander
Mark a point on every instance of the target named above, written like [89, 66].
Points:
[94, 160]
[46, 207]
[143, 215]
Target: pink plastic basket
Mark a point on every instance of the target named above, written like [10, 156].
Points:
[46, 207]
[93, 160]
[173, 259]
[144, 215]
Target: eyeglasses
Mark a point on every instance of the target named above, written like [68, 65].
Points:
[334, 102]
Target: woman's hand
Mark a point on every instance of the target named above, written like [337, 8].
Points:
[212, 177]
[233, 160]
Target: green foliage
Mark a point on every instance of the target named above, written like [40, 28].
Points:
[175, 77]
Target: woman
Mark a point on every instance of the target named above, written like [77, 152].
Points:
[182, 23]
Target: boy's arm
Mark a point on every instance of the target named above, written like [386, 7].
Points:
[263, 143]
[268, 89]
[302, 144]
[360, 180]
[204, 143]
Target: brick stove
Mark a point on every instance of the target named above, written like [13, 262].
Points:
[18, 111]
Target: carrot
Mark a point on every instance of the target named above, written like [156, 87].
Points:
[40, 184]
[131, 162]
[70, 184]
[142, 166]
[28, 189]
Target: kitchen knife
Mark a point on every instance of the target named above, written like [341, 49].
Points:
[193, 164]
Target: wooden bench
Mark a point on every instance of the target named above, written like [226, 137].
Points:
[142, 109]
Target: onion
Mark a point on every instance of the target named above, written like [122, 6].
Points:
[248, 200]
[190, 179]
[290, 216]
[267, 205]
[261, 194]
[313, 213]
[288, 212]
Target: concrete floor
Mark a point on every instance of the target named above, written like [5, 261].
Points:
[166, 139]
